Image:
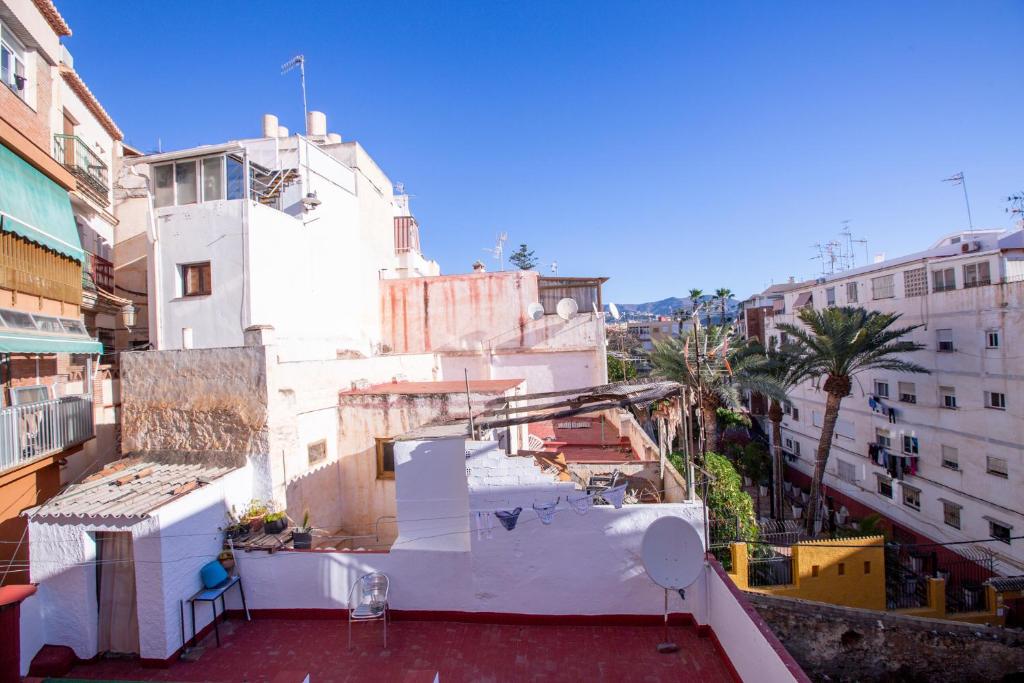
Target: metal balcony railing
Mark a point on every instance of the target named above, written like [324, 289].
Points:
[97, 273]
[407, 234]
[85, 164]
[36, 429]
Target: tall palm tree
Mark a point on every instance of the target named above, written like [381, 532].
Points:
[695, 294]
[723, 295]
[781, 366]
[718, 365]
[839, 343]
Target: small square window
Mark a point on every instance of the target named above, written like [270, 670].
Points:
[815, 569]
[943, 280]
[796, 448]
[992, 339]
[881, 389]
[995, 399]
[317, 452]
[945, 340]
[867, 566]
[882, 287]
[851, 292]
[997, 467]
[796, 414]
[842, 569]
[950, 458]
[883, 438]
[830, 296]
[911, 498]
[195, 279]
[885, 486]
[385, 458]
[999, 531]
[910, 445]
[951, 514]
[908, 392]
[977, 274]
[948, 395]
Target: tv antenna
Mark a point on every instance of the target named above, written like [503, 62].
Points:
[554, 267]
[310, 201]
[672, 552]
[498, 250]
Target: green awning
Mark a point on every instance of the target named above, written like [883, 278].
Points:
[35, 207]
[12, 342]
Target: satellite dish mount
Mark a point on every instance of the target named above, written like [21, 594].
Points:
[673, 556]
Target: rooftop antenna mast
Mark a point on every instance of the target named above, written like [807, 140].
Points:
[958, 179]
[498, 250]
[554, 267]
[310, 201]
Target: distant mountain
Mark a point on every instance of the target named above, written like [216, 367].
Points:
[668, 307]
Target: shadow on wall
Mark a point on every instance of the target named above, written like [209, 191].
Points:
[319, 491]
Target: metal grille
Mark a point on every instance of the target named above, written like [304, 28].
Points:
[37, 429]
[915, 282]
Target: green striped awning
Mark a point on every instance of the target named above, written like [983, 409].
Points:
[13, 342]
[35, 207]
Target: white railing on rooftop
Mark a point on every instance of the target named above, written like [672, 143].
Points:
[36, 429]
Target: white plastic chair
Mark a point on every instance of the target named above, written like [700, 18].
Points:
[371, 602]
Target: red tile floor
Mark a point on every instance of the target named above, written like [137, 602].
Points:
[285, 650]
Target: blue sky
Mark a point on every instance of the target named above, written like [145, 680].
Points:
[664, 145]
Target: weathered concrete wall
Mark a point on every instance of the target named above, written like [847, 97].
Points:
[848, 644]
[197, 400]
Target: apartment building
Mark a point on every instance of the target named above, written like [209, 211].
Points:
[650, 331]
[941, 455]
[51, 401]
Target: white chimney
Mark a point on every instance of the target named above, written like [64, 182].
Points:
[282, 132]
[269, 126]
[316, 124]
[333, 138]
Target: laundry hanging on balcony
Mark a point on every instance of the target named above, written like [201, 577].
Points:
[483, 523]
[615, 495]
[508, 518]
[546, 511]
[581, 503]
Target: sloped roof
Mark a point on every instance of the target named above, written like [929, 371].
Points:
[130, 488]
[79, 87]
[53, 17]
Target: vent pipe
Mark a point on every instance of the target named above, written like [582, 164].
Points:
[269, 126]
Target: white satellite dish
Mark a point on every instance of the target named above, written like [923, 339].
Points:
[535, 311]
[614, 310]
[567, 309]
[673, 556]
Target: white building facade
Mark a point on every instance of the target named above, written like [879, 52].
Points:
[955, 437]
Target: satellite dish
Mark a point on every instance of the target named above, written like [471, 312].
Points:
[673, 556]
[535, 311]
[567, 309]
[672, 552]
[614, 310]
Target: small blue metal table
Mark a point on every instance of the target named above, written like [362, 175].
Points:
[211, 595]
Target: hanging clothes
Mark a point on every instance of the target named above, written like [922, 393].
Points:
[546, 511]
[484, 525]
[615, 495]
[581, 503]
[892, 415]
[873, 404]
[873, 452]
[508, 518]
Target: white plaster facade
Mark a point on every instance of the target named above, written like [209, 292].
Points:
[971, 454]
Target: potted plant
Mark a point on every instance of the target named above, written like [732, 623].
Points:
[227, 560]
[254, 514]
[302, 537]
[235, 528]
[275, 522]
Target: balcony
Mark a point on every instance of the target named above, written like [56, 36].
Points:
[43, 428]
[407, 235]
[87, 167]
[97, 273]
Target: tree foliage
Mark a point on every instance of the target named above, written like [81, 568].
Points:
[726, 498]
[523, 258]
[620, 370]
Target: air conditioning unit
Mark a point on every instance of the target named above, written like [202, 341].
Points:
[968, 247]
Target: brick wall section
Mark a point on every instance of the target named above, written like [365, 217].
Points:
[848, 644]
[35, 125]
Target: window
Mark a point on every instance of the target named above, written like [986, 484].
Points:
[163, 185]
[796, 448]
[908, 392]
[945, 340]
[948, 396]
[885, 486]
[796, 414]
[787, 408]
[977, 274]
[867, 566]
[213, 179]
[881, 389]
[830, 296]
[911, 497]
[235, 178]
[882, 287]
[847, 471]
[883, 438]
[12, 62]
[195, 279]
[1000, 531]
[951, 514]
[851, 292]
[30, 394]
[317, 452]
[950, 458]
[996, 466]
[995, 399]
[385, 458]
[915, 282]
[910, 445]
[185, 183]
[943, 280]
[842, 569]
[992, 339]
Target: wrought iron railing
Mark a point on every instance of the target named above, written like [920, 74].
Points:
[85, 164]
[36, 429]
[97, 273]
[776, 570]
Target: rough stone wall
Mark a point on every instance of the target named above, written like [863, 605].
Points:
[848, 644]
[195, 400]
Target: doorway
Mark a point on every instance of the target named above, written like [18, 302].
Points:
[115, 593]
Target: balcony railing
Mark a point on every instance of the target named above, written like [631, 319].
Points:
[36, 429]
[407, 234]
[85, 164]
[97, 273]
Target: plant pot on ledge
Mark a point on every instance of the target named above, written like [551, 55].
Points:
[302, 539]
[275, 524]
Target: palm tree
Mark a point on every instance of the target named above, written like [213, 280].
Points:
[839, 343]
[780, 365]
[695, 294]
[718, 365]
[723, 295]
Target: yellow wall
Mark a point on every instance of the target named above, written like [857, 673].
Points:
[826, 558]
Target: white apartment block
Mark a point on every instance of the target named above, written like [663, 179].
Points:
[963, 424]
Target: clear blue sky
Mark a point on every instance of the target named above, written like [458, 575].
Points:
[665, 145]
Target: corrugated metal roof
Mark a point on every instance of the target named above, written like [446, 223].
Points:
[129, 488]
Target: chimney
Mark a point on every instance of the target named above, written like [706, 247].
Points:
[316, 124]
[479, 267]
[282, 132]
[269, 126]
